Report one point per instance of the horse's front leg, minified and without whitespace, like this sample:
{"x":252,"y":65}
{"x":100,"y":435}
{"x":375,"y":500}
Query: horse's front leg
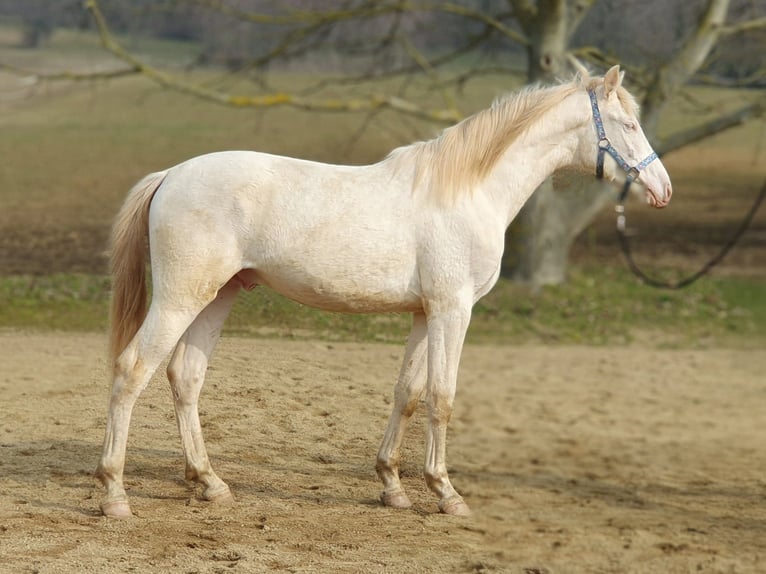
{"x":409,"y":389}
{"x":446,"y":333}
{"x":186,"y":373}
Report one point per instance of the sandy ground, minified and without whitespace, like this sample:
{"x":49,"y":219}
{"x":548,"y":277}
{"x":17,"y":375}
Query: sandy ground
{"x":573,"y":459}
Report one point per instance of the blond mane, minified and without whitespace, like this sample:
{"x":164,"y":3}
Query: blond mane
{"x":463,"y":155}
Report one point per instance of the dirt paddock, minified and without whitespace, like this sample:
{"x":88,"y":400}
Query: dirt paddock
{"x":573,"y":459}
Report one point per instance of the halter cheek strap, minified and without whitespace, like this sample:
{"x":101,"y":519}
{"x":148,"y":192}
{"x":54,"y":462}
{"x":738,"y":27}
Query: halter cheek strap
{"x":605,"y":146}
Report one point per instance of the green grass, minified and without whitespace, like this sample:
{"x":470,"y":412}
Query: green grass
{"x":60,"y":301}
{"x":604,"y":306}
{"x":599,"y":306}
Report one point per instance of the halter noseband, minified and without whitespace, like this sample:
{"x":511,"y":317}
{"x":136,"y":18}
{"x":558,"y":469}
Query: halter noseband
{"x":605,"y":146}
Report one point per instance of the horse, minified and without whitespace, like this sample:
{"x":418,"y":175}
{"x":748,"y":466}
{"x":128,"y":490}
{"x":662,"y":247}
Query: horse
{"x":420,"y":232}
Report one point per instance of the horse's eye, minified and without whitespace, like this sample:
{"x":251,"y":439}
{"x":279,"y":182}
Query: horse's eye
{"x":630,"y":126}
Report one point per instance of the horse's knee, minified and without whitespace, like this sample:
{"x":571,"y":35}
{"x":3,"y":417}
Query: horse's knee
{"x":407,"y":398}
{"x":125,"y":362}
{"x":409,"y":406}
{"x":185,"y":384}
{"x":129,"y":373}
{"x":186,"y":378}
{"x":439,"y":410}
{"x":176,"y":370}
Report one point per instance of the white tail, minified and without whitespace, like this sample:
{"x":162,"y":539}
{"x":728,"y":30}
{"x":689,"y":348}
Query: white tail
{"x":128,"y":263}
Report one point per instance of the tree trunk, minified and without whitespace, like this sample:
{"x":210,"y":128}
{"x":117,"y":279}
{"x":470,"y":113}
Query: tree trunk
{"x":537,"y":242}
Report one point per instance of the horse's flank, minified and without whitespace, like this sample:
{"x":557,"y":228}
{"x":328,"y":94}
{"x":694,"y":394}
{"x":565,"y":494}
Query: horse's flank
{"x":463,"y":155}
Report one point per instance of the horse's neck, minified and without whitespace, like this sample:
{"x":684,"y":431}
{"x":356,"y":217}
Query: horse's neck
{"x":529,"y":161}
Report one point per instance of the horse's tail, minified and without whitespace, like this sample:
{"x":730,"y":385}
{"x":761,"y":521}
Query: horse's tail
{"x":128,"y":263}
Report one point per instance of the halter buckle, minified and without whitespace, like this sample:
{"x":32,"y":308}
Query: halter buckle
{"x":620,"y":210}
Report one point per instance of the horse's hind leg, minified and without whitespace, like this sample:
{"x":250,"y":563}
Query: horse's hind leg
{"x":409,"y":389}
{"x":186,"y":372}
{"x":132,"y":371}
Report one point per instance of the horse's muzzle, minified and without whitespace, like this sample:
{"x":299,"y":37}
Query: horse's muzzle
{"x":659,"y":201}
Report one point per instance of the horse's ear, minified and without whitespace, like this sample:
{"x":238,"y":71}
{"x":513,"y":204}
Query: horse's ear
{"x":583,"y":75}
{"x":613,"y":80}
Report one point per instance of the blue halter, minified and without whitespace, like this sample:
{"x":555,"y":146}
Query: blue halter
{"x":605,"y":146}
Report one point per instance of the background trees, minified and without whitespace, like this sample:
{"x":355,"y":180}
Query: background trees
{"x":370,"y":56}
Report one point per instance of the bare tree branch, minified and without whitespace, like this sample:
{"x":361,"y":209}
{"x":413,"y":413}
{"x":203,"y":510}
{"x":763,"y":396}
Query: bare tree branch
{"x":753,"y":79}
{"x":524,"y":10}
{"x":592,"y":55}
{"x":292,"y":17}
{"x":714,"y":126}
{"x":423,"y":62}
{"x":292,"y":39}
{"x":471,"y":44}
{"x":371,"y":102}
{"x":746,"y":26}
{"x":370,"y":9}
{"x":35,"y":77}
{"x":289,"y":40}
{"x":480,"y":16}
{"x":677,"y":71}
{"x":577,"y":14}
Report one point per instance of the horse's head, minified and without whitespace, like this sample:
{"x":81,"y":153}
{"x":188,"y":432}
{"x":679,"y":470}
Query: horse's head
{"x":620,"y":146}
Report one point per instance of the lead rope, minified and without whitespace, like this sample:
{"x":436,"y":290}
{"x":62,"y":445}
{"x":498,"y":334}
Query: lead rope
{"x":626,"y":250}
{"x":604,"y":147}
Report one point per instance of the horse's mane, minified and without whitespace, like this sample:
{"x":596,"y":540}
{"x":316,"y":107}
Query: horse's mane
{"x":463,"y":155}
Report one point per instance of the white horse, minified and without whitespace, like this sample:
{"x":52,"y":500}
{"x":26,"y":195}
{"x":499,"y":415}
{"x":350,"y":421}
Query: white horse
{"x":422,"y":232}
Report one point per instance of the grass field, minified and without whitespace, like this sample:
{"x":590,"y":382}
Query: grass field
{"x":71,"y":151}
{"x":599,"y":306}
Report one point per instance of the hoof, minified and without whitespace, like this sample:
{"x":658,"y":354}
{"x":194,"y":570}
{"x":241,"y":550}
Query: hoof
{"x":454,"y":506}
{"x":116,"y":509}
{"x":395,"y":499}
{"x":220,"y":495}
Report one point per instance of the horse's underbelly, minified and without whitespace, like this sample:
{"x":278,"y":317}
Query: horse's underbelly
{"x":356,"y":292}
